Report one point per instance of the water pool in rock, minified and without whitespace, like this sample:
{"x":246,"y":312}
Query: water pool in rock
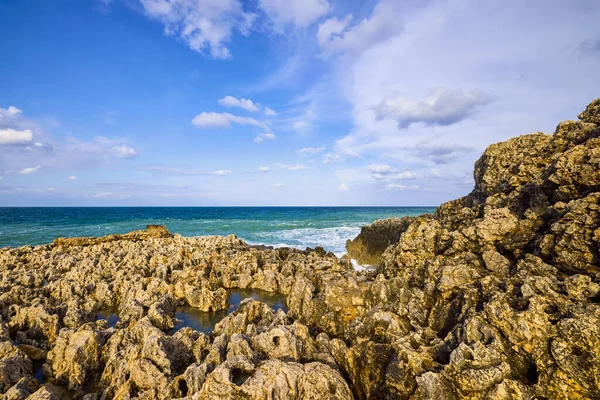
{"x":205,"y":321}
{"x":38,"y":372}
{"x":110,"y":316}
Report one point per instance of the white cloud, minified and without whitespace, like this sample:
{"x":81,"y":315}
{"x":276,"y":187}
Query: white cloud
{"x":298,"y":167}
{"x":207,"y":120}
{"x":440,"y":153}
{"x":270,"y":112}
{"x":332,"y":27}
{"x":343,"y":187}
{"x":300,"y":13}
{"x":123,"y":151}
{"x":397,"y":186}
{"x":221,"y":172}
{"x":309,"y":151}
{"x":1,"y":178}
{"x":398,"y":176}
{"x":394,"y":81}
{"x":380,"y":168}
{"x":263,"y":169}
{"x":246,"y":104}
{"x":9,"y":113}
{"x":337,"y":36}
{"x":261,"y":137}
{"x":30,"y":170}
{"x":202,"y":24}
{"x":386,"y":172}
{"x":332,"y":158}
{"x":278,"y":184}
{"x":443,"y":107}
{"x":72,"y":178}
{"x":15,"y":137}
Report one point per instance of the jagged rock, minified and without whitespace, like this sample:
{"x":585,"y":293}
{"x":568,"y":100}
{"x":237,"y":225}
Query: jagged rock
{"x":591,"y":113}
{"x":22,"y":389}
{"x":151,"y":231}
{"x":49,"y":391}
{"x":238,"y":378}
{"x":76,"y":356}
{"x":372,"y":241}
{"x":14,"y":365}
{"x":495,"y":296}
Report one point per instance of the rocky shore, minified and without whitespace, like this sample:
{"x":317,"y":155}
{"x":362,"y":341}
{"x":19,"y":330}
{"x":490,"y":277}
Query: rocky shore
{"x":495,"y":296}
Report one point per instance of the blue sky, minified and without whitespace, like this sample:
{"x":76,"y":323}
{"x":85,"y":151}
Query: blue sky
{"x":278,"y":102}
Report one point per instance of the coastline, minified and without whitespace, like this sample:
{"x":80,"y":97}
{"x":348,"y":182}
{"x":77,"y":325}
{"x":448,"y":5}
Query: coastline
{"x":495,"y":295}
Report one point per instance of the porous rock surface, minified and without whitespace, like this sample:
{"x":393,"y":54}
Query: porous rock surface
{"x":496,"y":296}
{"x":373,"y":239}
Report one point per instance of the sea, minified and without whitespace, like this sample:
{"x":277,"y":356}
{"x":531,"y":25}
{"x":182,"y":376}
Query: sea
{"x":298,"y":227}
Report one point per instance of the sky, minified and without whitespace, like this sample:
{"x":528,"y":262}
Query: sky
{"x":278,"y":102}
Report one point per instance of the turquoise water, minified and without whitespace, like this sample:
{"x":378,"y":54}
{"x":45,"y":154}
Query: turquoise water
{"x":298,"y":227}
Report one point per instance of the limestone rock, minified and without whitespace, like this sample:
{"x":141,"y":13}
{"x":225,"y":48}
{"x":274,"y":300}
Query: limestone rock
{"x":591,"y":113}
{"x":373,"y":239}
{"x":495,"y":296}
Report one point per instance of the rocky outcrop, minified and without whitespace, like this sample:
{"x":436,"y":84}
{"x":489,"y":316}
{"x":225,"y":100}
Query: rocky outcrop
{"x":373,"y":239}
{"x":151,"y":232}
{"x":495,"y":296}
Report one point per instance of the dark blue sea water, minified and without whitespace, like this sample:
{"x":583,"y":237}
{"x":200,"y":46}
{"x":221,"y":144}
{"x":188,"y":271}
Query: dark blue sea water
{"x":299,"y":227}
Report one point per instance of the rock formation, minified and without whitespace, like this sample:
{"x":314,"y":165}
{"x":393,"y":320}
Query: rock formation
{"x":373,"y":239}
{"x":495,"y":296}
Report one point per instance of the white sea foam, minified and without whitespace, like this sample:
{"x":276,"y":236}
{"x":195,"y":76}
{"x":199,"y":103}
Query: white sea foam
{"x":332,"y":239}
{"x":360,"y":267}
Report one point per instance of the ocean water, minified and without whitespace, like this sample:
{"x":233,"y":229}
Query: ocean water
{"x":298,"y":227}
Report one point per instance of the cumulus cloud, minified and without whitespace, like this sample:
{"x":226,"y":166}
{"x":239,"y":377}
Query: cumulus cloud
{"x":30,"y":170}
{"x":15,"y":137}
{"x":246,"y":104}
{"x":270,"y":112}
{"x":338,"y":36}
{"x":380,"y":168}
{"x":208,"y":120}
{"x":123,"y":151}
{"x":100,"y":146}
{"x":332,"y":158}
{"x":72,"y":178}
{"x":299,"y":13}
{"x":440,"y":153}
{"x":221,"y":172}
{"x":443,"y":107}
{"x":263,"y":169}
{"x":264,"y":136}
{"x":332,"y":27}
{"x":397,"y":186}
{"x":386,"y":172}
{"x":343,"y":187}
{"x":205,"y":25}
{"x":309,"y":151}
{"x":434,"y":46}
{"x":9,"y":113}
